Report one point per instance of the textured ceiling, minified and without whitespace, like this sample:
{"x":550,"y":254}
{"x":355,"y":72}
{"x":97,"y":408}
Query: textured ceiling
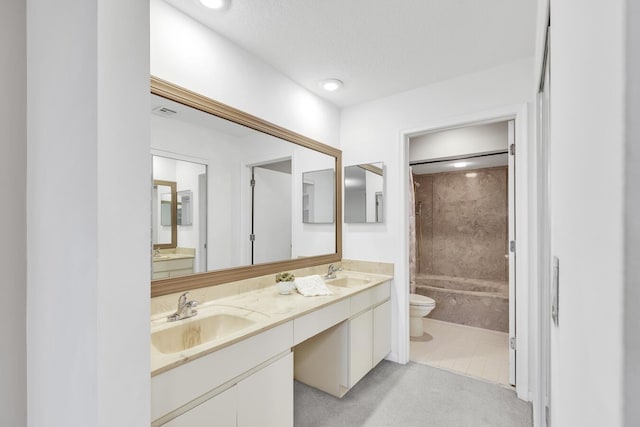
{"x":378,"y":48}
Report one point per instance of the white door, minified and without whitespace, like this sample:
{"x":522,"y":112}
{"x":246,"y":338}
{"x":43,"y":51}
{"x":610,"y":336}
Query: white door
{"x":512,"y":254}
{"x":271,"y":215}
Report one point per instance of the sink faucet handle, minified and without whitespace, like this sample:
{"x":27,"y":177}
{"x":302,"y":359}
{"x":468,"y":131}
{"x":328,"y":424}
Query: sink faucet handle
{"x":183,"y":299}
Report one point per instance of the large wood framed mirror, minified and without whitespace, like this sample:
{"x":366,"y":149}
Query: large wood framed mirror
{"x":239,"y":185}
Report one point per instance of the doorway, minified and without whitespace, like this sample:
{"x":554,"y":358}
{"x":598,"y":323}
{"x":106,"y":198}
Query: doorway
{"x":464,"y":189}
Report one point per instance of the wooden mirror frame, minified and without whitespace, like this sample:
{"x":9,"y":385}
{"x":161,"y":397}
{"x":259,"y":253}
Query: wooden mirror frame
{"x":174,"y":215}
{"x":199,"y":280}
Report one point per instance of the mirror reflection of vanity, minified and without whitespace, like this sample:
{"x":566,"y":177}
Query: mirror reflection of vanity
{"x":246,"y":204}
{"x":364,"y":193}
{"x":178,"y":235}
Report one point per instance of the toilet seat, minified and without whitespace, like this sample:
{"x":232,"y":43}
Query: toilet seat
{"x":421,"y":300}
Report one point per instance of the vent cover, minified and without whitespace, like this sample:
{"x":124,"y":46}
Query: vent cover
{"x":164,"y":111}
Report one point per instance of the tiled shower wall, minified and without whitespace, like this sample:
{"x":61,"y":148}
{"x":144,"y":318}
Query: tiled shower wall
{"x":462,"y":224}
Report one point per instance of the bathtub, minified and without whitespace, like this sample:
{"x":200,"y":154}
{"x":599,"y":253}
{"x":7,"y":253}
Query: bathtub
{"x":472,"y":302}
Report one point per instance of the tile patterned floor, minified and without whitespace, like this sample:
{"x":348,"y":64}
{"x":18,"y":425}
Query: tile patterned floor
{"x":475,"y":352}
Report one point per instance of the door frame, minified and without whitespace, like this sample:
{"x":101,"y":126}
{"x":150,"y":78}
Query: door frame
{"x":542,"y":416}
{"x":525,"y":292}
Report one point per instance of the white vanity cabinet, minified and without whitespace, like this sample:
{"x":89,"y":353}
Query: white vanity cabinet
{"x":381,"y":332}
{"x":219,"y":411}
{"x":172,"y":267}
{"x":369,"y":340}
{"x":360,"y":346}
{"x":265,"y":398}
{"x":336,"y":359}
{"x":246,"y":384}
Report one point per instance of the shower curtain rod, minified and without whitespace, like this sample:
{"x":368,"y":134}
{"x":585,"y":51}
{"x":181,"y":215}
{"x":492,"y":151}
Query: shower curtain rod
{"x":474,"y":156}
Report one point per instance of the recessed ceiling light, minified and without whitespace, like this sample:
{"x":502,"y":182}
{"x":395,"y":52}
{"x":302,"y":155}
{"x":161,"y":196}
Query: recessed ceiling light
{"x":459,"y":164}
{"x":471,"y":174}
{"x":215,"y":4}
{"x":331,"y":85}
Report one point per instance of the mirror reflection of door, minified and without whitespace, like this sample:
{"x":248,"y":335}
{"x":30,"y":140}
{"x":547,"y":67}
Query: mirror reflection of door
{"x":379,"y":205}
{"x":188,"y":254}
{"x":271,"y":212}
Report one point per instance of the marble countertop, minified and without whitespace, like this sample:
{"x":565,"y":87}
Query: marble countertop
{"x":171,"y":256}
{"x":265,"y":307}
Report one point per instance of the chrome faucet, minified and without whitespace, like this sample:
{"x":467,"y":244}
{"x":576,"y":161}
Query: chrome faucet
{"x":331,"y":274}
{"x":185,"y":309}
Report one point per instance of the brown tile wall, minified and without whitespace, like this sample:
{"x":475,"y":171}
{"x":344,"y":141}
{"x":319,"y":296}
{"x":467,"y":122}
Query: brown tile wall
{"x":462,"y":224}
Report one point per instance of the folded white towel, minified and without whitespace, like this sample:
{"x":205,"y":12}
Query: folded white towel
{"x":311,"y":286}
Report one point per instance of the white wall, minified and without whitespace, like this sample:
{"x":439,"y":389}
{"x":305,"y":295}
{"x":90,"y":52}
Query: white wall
{"x":188,"y":54}
{"x":372,"y":132}
{"x":632,"y":224}
{"x":13,"y":164}
{"x":587,"y":202}
{"x":88,"y":213}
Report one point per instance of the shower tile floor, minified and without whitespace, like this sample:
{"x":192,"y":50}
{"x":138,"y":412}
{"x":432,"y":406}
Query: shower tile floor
{"x":476,"y":352}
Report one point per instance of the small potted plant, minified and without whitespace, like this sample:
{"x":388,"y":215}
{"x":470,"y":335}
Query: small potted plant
{"x":285,"y":283}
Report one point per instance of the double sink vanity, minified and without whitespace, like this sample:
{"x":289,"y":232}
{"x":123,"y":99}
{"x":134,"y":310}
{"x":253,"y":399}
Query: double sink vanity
{"x":235,"y":200}
{"x":235,"y":361}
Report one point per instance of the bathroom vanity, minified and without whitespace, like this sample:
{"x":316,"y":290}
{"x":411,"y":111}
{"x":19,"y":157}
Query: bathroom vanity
{"x":233,"y":364}
{"x":173,"y":262}
{"x":236,"y":360}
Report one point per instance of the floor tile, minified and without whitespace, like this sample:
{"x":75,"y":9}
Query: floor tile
{"x":471,"y":351}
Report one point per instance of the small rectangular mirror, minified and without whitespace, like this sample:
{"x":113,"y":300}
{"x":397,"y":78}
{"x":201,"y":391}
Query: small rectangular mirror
{"x":318,"y":195}
{"x":364,"y":193}
{"x":164,"y":214}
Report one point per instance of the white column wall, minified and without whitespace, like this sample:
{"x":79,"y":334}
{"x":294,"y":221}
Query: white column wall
{"x":88,"y":213}
{"x":13,"y":165}
{"x":587,"y":210}
{"x":632,"y":224}
{"x":371,"y":132}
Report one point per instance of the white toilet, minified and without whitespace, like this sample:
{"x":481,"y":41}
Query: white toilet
{"x":419,"y":306}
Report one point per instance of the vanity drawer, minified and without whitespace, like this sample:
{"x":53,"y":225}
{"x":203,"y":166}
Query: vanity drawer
{"x":370,"y":297}
{"x":159,"y":275}
{"x":173,"y":264}
{"x":313,"y":323}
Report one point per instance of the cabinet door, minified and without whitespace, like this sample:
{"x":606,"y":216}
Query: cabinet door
{"x":360,"y":346}
{"x":219,"y":411}
{"x":381,"y":332}
{"x":265,"y":399}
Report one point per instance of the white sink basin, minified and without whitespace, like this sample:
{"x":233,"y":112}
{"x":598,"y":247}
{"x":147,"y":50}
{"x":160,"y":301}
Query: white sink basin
{"x":347,"y":282}
{"x":206,"y":327}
